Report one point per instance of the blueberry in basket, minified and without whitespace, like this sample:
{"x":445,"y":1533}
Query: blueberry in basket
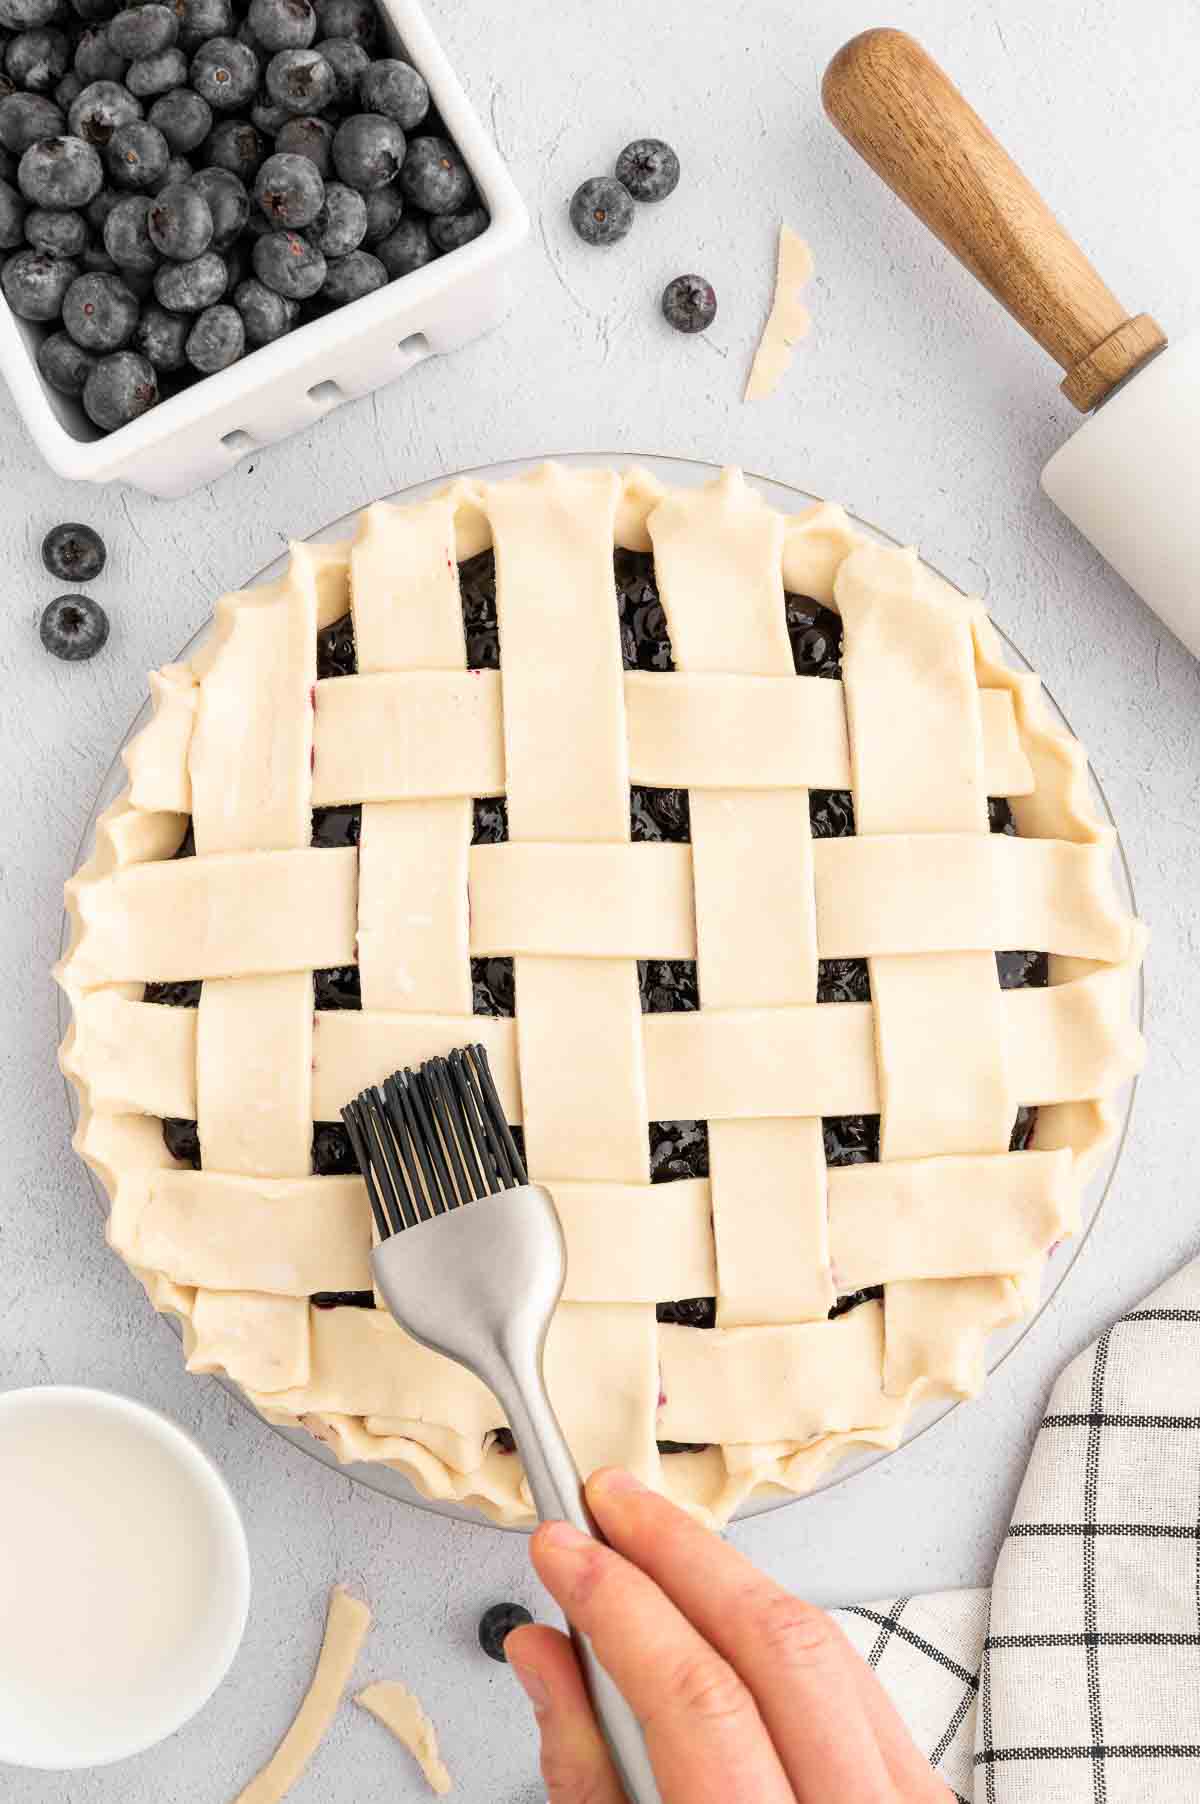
{"x":184,"y":183}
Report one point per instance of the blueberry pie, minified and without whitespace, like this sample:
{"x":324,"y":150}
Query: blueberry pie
{"x":780,"y":906}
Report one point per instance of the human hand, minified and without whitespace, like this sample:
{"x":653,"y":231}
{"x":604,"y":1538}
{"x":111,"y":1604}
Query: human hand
{"x":746,"y":1694}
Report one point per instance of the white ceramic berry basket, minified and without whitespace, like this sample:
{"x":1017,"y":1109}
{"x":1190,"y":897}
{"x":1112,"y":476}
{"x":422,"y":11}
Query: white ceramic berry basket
{"x":683,"y":472}
{"x":281,"y":388}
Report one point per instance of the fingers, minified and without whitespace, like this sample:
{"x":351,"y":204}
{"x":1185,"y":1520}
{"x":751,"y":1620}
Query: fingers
{"x":800,"y":1669}
{"x":703,"y":1730}
{"x":575,"y":1762}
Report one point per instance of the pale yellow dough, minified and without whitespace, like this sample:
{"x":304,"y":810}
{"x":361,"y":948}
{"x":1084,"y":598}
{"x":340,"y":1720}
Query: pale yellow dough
{"x":398,"y":1710}
{"x":789,"y":319}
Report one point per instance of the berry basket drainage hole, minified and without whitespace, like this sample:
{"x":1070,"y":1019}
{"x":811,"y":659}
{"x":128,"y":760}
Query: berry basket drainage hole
{"x":327,"y":394}
{"x":238,"y":442}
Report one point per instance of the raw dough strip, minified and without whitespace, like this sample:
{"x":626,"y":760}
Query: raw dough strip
{"x":397,"y":1709}
{"x":345,"y":1631}
{"x":788,"y":321}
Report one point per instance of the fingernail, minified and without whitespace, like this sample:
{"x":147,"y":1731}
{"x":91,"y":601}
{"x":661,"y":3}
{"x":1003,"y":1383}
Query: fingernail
{"x":533,"y":1686}
{"x":566,"y":1539}
{"x":615,"y":1481}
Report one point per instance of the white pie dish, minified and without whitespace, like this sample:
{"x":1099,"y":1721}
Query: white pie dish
{"x":787,"y":500}
{"x":282,"y":388}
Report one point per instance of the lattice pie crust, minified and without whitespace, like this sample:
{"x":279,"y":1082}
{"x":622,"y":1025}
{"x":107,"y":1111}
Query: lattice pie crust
{"x":927,"y":723}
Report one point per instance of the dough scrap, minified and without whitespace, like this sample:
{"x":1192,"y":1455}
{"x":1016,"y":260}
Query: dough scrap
{"x":345,"y":1631}
{"x":398,"y":1710}
{"x":789,"y":319}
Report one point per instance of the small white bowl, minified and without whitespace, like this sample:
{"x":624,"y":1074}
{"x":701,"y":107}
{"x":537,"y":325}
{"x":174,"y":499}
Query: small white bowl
{"x":124,"y":1578}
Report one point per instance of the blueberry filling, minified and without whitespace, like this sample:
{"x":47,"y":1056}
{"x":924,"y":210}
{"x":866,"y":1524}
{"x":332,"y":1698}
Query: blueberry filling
{"x":816,"y":635}
{"x":175,"y":995}
{"x":852,"y":1299}
{"x":659,"y":815}
{"x":688,"y":1312}
{"x":337,"y":827}
{"x":343,"y":1299}
{"x":477,"y":583}
{"x":645,"y":641}
{"x":337,"y":655}
{"x":332,"y":1154}
{"x":668,"y":985}
{"x":182,"y":1139}
{"x":489,"y":825}
{"x":851,"y":1139}
{"x":678,"y":1149}
{"x":493,"y":986}
{"x":337,"y":987}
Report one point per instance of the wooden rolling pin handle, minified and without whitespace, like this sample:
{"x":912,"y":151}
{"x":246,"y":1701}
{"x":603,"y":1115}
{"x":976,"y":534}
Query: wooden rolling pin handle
{"x":904,"y":115}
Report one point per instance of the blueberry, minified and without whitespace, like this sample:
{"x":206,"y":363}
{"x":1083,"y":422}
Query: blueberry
{"x":406,"y":248}
{"x":58,"y":233}
{"x":157,"y":74}
{"x":119,"y":389}
{"x":74,"y":627}
{"x":689,"y":303}
{"x":395,"y":89}
{"x":347,"y":60}
{"x":26,"y":118}
{"x":300,"y":81}
{"x":143,"y":31}
{"x":74,"y":553}
{"x":450,"y":231}
{"x":100,"y":312}
{"x":225,"y":73}
{"x":96,"y":259}
{"x":350,"y":278}
{"x":100,"y":109}
{"x":385,"y":209}
{"x":282,"y":24}
{"x":289,"y":190}
{"x":368,"y":151}
{"x":177,"y":171}
{"x":236,"y":146}
{"x":127,"y":237}
{"x":228,"y":202}
{"x":97,"y":211}
{"x":20,"y":15}
{"x":435,"y":177}
{"x":200,"y":20}
{"x":308,"y":137}
{"x":217,"y":339}
{"x":356,"y":19}
{"x":289,"y":264}
{"x":137,"y":155}
{"x":65,"y":365}
{"x":266,"y":316}
{"x":180,"y":222}
{"x":341,"y":225}
{"x":12,"y":217}
{"x":602,"y":210}
{"x":38,"y":59}
{"x":95,"y":58}
{"x":190,"y":287}
{"x":183,"y":119}
{"x":34,"y":285}
{"x":268,"y":118}
{"x":497,"y":1623}
{"x":67,"y":91}
{"x":648,"y":168}
{"x":160,"y":337}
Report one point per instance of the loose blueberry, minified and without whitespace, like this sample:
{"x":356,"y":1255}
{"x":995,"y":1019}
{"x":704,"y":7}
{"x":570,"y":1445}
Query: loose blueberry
{"x":496,"y":1624}
{"x":65,"y":365}
{"x":190,"y":287}
{"x":406,"y":248}
{"x":225,"y":73}
{"x":689,"y":303}
{"x":289,"y":264}
{"x":100,"y":109}
{"x":301,"y":81}
{"x":183,"y":119}
{"x":266,"y":316}
{"x":347,"y":60}
{"x":350,"y":278}
{"x":268,"y":118}
{"x":180,"y":222}
{"x":100,"y":312}
{"x":34,"y":284}
{"x":160,"y":338}
{"x":143,"y":31}
{"x":200,"y":20}
{"x":137,"y":155}
{"x":228,"y":202}
{"x":341,"y":225}
{"x":236,"y":146}
{"x":394,"y":88}
{"x":97,"y":211}
{"x":37,"y":60}
{"x":95,"y":58}
{"x":74,"y":553}
{"x":450,"y":231}
{"x":67,"y":91}
{"x":73,"y":627}
{"x":355,"y":19}
{"x":289,"y":190}
{"x":157,"y":74}
{"x":27,"y":118}
{"x":282,"y":24}
{"x":60,"y":172}
{"x":385,"y":209}
{"x":602,"y":210}
{"x":119,"y":389}
{"x":20,"y":15}
{"x":127,"y":236}
{"x":435,"y":177}
{"x":59,"y":234}
{"x":308,"y":137}
{"x":217,"y":339}
{"x":12,"y":217}
{"x":368,"y":151}
{"x":649,"y":169}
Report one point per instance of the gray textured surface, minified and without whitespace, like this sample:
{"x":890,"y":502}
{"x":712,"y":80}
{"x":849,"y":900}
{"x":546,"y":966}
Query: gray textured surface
{"x":916,"y":403}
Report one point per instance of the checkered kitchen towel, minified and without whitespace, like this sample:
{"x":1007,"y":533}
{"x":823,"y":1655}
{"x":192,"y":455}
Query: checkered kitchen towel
{"x":1076,"y":1680}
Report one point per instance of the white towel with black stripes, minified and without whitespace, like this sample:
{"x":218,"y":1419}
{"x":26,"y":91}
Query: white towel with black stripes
{"x":1076,"y":1679}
